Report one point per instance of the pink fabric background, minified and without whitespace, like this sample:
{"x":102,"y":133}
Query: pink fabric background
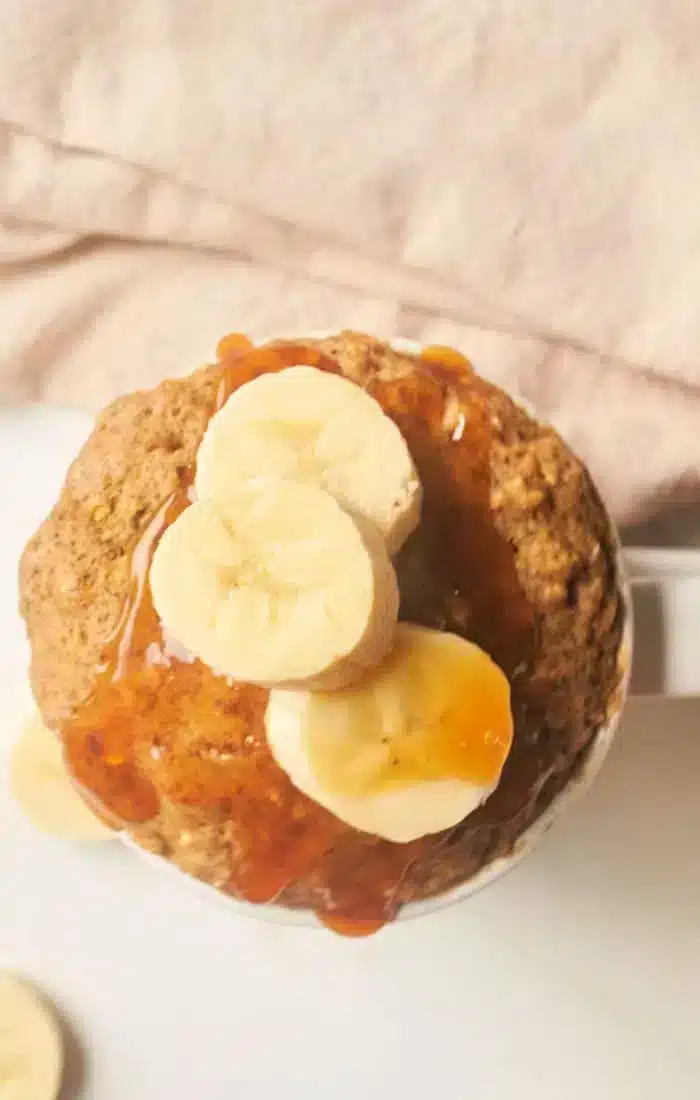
{"x":518,"y":179}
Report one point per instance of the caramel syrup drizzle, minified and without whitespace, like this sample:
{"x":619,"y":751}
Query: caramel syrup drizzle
{"x":158,"y":726}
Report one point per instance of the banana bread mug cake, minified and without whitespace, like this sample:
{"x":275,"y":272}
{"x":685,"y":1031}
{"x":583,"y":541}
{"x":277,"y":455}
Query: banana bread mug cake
{"x":325,"y":624}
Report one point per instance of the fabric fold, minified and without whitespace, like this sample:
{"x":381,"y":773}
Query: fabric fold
{"x":519,"y":181}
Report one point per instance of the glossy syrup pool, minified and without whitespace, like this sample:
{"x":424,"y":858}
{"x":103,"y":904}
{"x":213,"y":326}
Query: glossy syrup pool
{"x":158,"y":726}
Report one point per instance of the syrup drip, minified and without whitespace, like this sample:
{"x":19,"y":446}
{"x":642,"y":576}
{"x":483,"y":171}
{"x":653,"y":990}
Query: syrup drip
{"x":158,"y":725}
{"x":354,"y":929}
{"x":460,"y":547}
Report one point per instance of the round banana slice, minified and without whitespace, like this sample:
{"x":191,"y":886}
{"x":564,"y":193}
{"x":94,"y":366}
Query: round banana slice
{"x":44,"y":790}
{"x":411,"y":750}
{"x":31,"y":1048}
{"x":307,"y":425}
{"x":277,"y":585}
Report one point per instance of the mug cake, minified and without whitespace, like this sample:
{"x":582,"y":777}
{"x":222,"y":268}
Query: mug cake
{"x":327,"y":624}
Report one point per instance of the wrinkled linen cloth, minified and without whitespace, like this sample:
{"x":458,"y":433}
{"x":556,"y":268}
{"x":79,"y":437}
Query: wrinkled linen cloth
{"x":518,"y":178}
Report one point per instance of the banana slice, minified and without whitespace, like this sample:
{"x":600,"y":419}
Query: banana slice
{"x":277,"y":585}
{"x":31,"y":1049}
{"x":307,"y":425}
{"x":412,"y":749}
{"x":42,"y":786}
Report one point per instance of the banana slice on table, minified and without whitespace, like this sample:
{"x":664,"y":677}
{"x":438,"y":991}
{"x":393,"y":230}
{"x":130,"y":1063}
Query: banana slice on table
{"x":411,"y":750}
{"x":308,"y":425}
{"x":31,"y":1048}
{"x":275,"y":585}
{"x":43,"y":788}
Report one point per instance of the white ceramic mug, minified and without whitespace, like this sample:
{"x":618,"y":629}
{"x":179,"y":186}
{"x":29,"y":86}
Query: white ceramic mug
{"x":665,"y":590}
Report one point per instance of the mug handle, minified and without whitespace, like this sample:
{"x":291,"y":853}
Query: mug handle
{"x":666,"y":606}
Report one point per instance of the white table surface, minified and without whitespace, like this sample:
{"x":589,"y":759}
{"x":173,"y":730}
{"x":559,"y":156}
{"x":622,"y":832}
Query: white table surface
{"x":577,"y":976}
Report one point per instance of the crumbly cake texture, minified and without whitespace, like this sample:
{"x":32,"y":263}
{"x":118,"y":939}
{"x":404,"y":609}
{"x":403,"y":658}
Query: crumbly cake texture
{"x":74,"y":577}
